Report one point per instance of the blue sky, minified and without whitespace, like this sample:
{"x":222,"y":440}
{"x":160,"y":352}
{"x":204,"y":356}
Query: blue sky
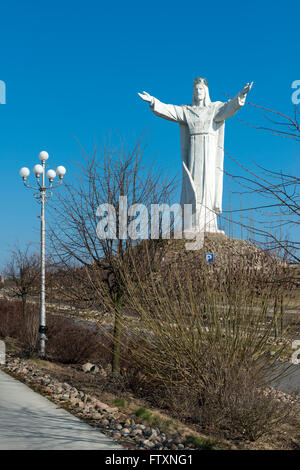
{"x":73,"y":69}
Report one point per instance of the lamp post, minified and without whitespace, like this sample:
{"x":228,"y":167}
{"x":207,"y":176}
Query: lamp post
{"x":44,"y":192}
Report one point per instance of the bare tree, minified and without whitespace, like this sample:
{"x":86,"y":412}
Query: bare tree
{"x":277,"y":191}
{"x":103,"y":178}
{"x":23,"y":272}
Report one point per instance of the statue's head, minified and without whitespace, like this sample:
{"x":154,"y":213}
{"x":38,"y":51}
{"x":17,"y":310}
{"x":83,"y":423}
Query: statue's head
{"x":201,"y":93}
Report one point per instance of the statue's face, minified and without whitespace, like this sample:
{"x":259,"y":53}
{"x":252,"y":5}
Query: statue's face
{"x":199,"y":92}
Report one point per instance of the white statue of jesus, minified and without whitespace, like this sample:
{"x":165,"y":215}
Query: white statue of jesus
{"x":202,"y":149}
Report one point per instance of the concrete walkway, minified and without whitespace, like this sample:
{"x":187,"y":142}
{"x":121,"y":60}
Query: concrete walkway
{"x":31,"y":422}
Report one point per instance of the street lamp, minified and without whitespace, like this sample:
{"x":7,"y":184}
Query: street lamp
{"x":41,"y":196}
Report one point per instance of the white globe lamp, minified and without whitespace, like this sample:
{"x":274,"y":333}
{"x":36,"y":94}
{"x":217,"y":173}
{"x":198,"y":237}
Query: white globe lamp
{"x":24,"y":173}
{"x":38,"y":170}
{"x":43,"y":156}
{"x":61,"y":171}
{"x":51,"y":174}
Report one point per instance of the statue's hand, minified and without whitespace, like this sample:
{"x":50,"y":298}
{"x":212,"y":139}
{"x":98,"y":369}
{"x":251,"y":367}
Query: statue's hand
{"x":145,"y":96}
{"x":246,"y":89}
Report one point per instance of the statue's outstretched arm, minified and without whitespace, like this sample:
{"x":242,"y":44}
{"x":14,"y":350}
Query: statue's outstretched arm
{"x":170,"y":112}
{"x":228,"y":109}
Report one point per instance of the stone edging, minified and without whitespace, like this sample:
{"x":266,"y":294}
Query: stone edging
{"x":109,"y":420}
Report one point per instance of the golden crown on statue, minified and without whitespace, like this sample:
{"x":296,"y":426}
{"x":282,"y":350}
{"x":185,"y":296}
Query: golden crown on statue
{"x":200,"y":80}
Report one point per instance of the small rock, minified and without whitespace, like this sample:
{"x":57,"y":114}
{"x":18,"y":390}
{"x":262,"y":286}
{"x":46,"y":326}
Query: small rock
{"x":148,"y":432}
{"x":45,"y":381}
{"x":100,"y":406}
{"x":140,"y":426}
{"x":111,"y":409}
{"x":147,"y":443}
{"x":137,"y":432}
{"x":125,"y":431}
{"x":89,"y":367}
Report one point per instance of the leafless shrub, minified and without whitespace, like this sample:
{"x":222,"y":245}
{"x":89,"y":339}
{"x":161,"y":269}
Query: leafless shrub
{"x":205,"y":334}
{"x":69,"y":343}
{"x":10,"y":318}
{"x":13,"y":324}
{"x":244,"y":410}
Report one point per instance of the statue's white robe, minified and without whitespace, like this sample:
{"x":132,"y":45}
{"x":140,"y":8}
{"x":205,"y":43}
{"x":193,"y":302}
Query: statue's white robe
{"x":202,"y":144}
